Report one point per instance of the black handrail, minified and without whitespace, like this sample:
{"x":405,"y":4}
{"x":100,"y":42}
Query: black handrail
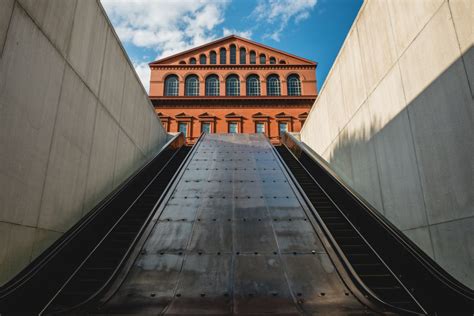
{"x":343,"y":266}
{"x":432,"y":286}
{"x":133,"y":248}
{"x":63,"y":245}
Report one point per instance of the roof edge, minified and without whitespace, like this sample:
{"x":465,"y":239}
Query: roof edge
{"x":226,"y":38}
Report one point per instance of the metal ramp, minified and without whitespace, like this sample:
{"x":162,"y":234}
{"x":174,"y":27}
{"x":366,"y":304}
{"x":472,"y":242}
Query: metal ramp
{"x":233,"y":237}
{"x":234,"y":226}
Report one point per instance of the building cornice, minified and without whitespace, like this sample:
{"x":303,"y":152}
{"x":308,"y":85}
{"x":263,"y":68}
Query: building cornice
{"x":219,"y":102}
{"x":231,"y":67}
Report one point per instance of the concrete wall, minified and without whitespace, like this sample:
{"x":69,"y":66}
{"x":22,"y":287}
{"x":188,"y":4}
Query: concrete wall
{"x":395,"y":119}
{"x":75,"y":121}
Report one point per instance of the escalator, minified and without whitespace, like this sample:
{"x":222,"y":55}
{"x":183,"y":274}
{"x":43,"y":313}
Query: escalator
{"x":237,"y":226}
{"x":391,"y":267}
{"x":82,"y":261}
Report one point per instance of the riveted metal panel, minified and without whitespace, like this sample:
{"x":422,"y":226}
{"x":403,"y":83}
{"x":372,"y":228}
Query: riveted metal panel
{"x":317,"y":287}
{"x":205,"y":286}
{"x":233,"y":239}
{"x":260,"y":286}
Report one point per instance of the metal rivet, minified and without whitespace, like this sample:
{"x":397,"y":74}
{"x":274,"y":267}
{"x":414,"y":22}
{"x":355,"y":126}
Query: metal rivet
{"x":313,"y":252}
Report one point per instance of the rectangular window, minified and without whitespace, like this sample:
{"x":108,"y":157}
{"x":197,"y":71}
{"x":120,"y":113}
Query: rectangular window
{"x":282,"y":127}
{"x":183,"y":127}
{"x":233,"y":128}
{"x":206,"y":127}
{"x":259,"y":127}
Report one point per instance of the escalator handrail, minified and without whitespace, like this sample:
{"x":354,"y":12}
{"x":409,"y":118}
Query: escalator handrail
{"x":335,"y":253}
{"x":128,"y":250}
{"x":431,"y":266}
{"x":128,"y":255}
{"x":33,"y":267}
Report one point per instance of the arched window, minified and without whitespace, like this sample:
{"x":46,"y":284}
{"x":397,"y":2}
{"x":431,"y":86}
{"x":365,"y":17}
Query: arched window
{"x":232,"y":86}
{"x":294,"y":85}
{"x":212,"y":57}
{"x":263,"y":59}
{"x":202,"y":59}
{"x":233,"y":52}
{"x":223,"y":55}
{"x":243,"y":55}
{"x":282,"y":62}
{"x":253,"y":85}
{"x":212,"y":86}
{"x":253,"y":57}
{"x":273,"y":60}
{"x":182,"y":62}
{"x":273,"y":85}
{"x":192,"y":61}
{"x":191,"y":86}
{"x":171,"y":86}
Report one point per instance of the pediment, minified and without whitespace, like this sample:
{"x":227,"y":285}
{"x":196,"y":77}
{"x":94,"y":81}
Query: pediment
{"x":183,"y":114}
{"x":260,"y":114}
{"x":206,"y":114}
{"x":282,"y":114}
{"x":281,"y":57}
{"x":233,"y":114}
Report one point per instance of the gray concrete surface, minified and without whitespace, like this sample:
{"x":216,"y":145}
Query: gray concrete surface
{"x":64,"y":82}
{"x":395,"y":120}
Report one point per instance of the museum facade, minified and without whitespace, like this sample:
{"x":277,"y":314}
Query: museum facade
{"x":233,"y":85}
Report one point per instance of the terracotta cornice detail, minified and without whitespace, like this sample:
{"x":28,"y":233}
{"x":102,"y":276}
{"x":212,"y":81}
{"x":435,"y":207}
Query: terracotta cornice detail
{"x":231,"y":67}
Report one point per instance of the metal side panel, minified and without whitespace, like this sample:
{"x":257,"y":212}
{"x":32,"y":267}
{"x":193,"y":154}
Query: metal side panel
{"x":233,"y":238}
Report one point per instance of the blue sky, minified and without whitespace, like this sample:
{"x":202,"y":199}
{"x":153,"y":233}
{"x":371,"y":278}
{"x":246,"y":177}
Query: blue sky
{"x":152,"y":29}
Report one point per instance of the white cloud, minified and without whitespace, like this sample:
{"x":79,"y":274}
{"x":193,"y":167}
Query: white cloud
{"x":281,"y":12}
{"x":245,"y":34}
{"x":143,"y":72}
{"x":166,"y":26}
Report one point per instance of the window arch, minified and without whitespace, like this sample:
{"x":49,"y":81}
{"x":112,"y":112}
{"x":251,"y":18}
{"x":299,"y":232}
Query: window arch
{"x":253,"y":57}
{"x":233,"y":53}
{"x":263,"y":59}
{"x":223,"y":56}
{"x":273,"y":85}
{"x":294,"y":85}
{"x":171,"y":86}
{"x":202,"y":59}
{"x":243,"y":55}
{"x":212,"y":85}
{"x":212,"y":57}
{"x":273,"y":60}
{"x":232,"y":86}
{"x":253,"y":85}
{"x":192,"y":61}
{"x":282,"y":62}
{"x":182,"y":62}
{"x":191,"y":85}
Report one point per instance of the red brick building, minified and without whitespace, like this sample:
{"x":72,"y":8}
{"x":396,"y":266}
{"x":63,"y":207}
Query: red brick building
{"x":233,"y":85}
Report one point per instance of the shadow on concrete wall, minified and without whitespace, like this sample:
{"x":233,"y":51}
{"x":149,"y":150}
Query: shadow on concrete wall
{"x":417,"y":168}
